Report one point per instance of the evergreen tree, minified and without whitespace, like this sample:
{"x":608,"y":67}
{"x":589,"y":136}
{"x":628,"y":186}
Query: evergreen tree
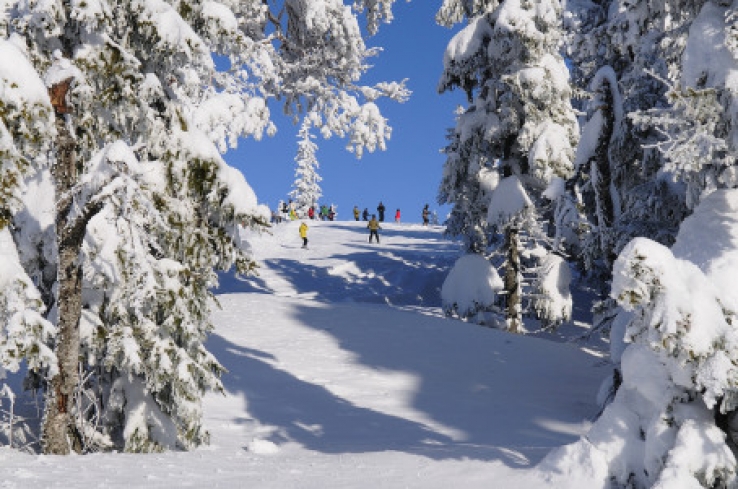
{"x":673,"y":420}
{"x":25,"y":120}
{"x":619,"y":54}
{"x":672,"y":329}
{"x":145,"y":209}
{"x":519,"y":122}
{"x":306,"y":189}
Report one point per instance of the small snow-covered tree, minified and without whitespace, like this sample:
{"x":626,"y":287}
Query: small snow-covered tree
{"x":470,"y":290}
{"x":306,"y":189}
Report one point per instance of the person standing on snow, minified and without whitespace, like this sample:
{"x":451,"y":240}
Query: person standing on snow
{"x":304,"y":234}
{"x":284,"y":210}
{"x":380,"y":211}
{"x":397,"y":216}
{"x":365,"y":214}
{"x":426,"y":215}
{"x":356,"y":212}
{"x":373,"y":228}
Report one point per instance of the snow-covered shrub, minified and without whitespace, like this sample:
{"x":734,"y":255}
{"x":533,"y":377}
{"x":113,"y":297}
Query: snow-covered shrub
{"x":470,"y":289}
{"x":680,"y":363}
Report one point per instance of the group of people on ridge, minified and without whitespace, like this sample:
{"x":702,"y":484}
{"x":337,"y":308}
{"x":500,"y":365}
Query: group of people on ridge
{"x":381,"y":209}
{"x":286,"y":211}
{"x":372,"y":224}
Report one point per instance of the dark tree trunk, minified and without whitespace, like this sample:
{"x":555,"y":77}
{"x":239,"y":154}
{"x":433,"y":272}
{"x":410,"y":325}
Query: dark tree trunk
{"x":512,"y":280}
{"x":602,"y":172}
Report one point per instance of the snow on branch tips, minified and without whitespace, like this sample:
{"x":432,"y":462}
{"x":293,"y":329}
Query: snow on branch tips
{"x":508,"y":201}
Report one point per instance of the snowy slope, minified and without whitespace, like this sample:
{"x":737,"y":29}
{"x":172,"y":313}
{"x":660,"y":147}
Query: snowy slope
{"x":342,"y":373}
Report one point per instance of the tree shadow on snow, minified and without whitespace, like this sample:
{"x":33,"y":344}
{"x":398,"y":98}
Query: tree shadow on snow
{"x":309,"y":414}
{"x":486,"y":398}
{"x":395,"y":277}
{"x":496,"y":391}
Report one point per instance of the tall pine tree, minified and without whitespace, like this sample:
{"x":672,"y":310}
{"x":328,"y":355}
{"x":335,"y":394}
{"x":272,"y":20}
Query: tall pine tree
{"x":519,"y":123}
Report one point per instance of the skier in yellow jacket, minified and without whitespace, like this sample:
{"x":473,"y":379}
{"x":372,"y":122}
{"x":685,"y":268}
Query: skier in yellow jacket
{"x":304,"y":234}
{"x":373,"y":228}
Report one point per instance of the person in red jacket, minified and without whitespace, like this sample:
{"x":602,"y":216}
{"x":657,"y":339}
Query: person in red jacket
{"x":397,"y":216}
{"x":311,"y":213}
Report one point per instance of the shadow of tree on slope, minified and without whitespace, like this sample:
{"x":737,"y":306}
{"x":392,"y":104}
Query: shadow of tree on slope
{"x":393,"y":278}
{"x":499,"y":390}
{"x":475,"y":385}
{"x":311,"y":415}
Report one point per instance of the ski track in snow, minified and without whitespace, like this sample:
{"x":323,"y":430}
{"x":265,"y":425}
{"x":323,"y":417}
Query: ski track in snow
{"x":342,"y":373}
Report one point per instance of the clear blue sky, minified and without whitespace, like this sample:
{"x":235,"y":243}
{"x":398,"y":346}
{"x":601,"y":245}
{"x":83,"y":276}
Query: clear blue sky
{"x":408,"y":173}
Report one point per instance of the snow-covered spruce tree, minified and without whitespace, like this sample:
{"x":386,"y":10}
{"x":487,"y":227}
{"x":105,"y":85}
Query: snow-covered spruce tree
{"x":26,"y":119}
{"x":306,"y":189}
{"x":519,"y":123}
{"x":152,"y":206}
{"x":511,"y":210}
{"x":106,"y":88}
{"x":616,"y":48}
{"x":674,"y":335}
{"x":587,"y":214}
{"x":685,"y":135}
{"x":674,"y":420}
{"x":466,"y":184}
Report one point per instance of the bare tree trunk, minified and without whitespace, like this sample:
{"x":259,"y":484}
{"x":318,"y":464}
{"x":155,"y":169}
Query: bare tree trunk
{"x":513,"y":287}
{"x":60,"y":434}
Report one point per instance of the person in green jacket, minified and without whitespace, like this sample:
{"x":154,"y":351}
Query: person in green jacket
{"x":373,"y":228}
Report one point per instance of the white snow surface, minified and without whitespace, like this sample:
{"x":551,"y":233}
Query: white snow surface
{"x":706,"y":54}
{"x":467,"y":42}
{"x":19,"y":82}
{"x":342,"y":373}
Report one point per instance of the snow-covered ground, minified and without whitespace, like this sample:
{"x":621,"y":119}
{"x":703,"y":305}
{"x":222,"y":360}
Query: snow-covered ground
{"x":342,"y":373}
